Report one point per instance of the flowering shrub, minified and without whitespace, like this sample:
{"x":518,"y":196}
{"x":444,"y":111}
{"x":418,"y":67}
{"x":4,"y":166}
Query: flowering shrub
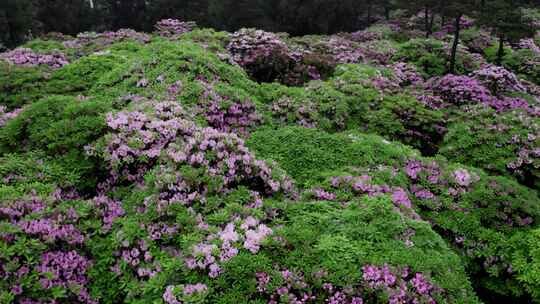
{"x":401,"y":286}
{"x":406,"y":74}
{"x":89,"y":42}
{"x":288,"y":110}
{"x":363,"y":185}
{"x":405,"y":119}
{"x":227,"y":113}
{"x":56,"y":267}
{"x":334,"y":280}
{"x":379,"y":51}
{"x":192,"y":293}
{"x":477,"y":40}
{"x":502,"y":143}
{"x":315,"y":105}
{"x":27,"y":57}
{"x":498,"y":79}
{"x":174,"y":27}
{"x":380,"y":279}
{"x":460,"y":89}
{"x":264,"y":55}
{"x":343,"y":50}
{"x":267,"y":57}
{"x":375,"y":32}
{"x":435,"y":190}
{"x":529,"y":44}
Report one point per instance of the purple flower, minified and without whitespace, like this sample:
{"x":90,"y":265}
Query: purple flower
{"x":459,"y":90}
{"x":400,"y":198}
{"x":27,"y":57}
{"x":462,"y":177}
{"x":173,"y":27}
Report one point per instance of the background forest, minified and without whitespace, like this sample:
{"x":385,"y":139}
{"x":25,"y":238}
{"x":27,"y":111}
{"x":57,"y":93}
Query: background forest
{"x":23,"y":19}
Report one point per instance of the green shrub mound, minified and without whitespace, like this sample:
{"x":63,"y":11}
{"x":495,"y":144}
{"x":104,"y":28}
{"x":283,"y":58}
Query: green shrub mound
{"x":477,"y":214}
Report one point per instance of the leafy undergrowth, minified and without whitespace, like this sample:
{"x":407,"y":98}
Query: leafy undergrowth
{"x":195,"y":166}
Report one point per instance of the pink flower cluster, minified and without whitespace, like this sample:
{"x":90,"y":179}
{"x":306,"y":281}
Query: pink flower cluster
{"x":59,"y":229}
{"x":266,"y":57}
{"x":51,"y":230}
{"x":137,"y":257}
{"x":321,"y":194}
{"x":498,"y":79}
{"x":7,"y":116}
{"x":463,"y":177}
{"x":406,"y":74}
{"x":459,"y":89}
{"x":138,"y":138}
{"x":344,"y":51}
{"x":400,"y":285}
{"x":295,"y":290}
{"x":527,"y":152}
{"x":174,"y":27}
{"x":125,"y":34}
{"x":33,"y":218}
{"x":107,"y":209}
{"x":505,"y":104}
{"x":172,"y":292}
{"x":227,"y":113}
{"x":255,"y":236}
{"x":106,"y":38}
{"x":416,"y":170}
{"x":65,"y":269}
{"x":249,"y":46}
{"x":287,"y":110}
{"x":363,"y":185}
{"x":28,"y":58}
{"x":224,"y":157}
{"x":485,"y":86}
{"x":429,"y":183}
{"x":209,"y":255}
{"x":529,"y":44}
{"x":191,"y":289}
{"x":291,"y":289}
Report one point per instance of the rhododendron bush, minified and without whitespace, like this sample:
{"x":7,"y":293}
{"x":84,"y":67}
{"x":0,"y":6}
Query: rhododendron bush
{"x":194,"y":166}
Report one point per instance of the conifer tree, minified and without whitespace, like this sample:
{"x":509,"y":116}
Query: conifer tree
{"x":505,"y":19}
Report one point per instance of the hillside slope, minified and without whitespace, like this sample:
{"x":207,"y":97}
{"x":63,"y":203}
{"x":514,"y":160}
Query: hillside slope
{"x":195,"y":166}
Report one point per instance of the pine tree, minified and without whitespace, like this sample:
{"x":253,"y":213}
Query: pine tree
{"x":427,"y":7}
{"x":505,"y":18}
{"x":455,"y":10}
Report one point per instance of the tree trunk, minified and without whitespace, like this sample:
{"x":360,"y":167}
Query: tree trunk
{"x":455,"y":45}
{"x":431,"y":20}
{"x":387,"y":12}
{"x":426,"y":21}
{"x":500,"y":52}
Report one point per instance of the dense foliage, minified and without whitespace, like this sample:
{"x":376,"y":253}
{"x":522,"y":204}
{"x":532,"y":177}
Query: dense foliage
{"x":190,"y":165}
